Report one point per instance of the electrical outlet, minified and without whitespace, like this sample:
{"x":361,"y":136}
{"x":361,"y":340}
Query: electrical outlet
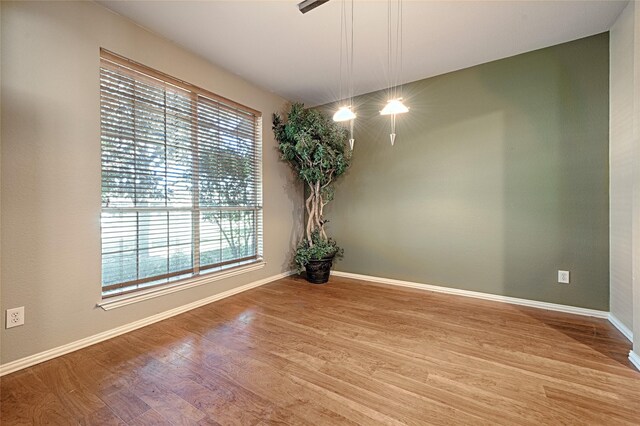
{"x":563,"y":277}
{"x":15,"y":317}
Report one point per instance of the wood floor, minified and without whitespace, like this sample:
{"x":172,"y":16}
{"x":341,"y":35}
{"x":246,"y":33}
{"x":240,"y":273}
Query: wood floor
{"x":344,"y":353}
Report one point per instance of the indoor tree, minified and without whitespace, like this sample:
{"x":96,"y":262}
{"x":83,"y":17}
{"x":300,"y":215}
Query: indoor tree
{"x":316,"y":148}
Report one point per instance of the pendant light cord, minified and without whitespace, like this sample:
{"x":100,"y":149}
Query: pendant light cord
{"x":401,"y":30}
{"x":341,"y":47}
{"x":346,"y":51}
{"x":351,"y":65}
{"x":394,"y":48}
{"x":395,"y":56}
{"x":390,"y":71}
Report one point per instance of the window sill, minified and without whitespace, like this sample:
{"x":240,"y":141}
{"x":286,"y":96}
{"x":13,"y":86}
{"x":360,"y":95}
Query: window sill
{"x":139,"y":296}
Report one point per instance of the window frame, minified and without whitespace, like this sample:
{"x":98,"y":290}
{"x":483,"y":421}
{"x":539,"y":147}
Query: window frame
{"x":173,"y":281}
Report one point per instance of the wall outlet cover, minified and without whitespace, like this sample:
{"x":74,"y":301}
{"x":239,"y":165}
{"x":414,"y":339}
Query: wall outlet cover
{"x":15,"y":317}
{"x":563,"y":277}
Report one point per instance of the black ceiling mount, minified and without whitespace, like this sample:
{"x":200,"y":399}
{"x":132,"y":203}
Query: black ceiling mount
{"x":307,"y":5}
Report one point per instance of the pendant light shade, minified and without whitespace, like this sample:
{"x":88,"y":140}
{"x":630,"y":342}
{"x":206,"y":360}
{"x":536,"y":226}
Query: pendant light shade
{"x":393,"y":107}
{"x":344,"y":113}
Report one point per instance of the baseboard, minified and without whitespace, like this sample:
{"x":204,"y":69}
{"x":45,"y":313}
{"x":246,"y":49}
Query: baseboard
{"x":478,"y":295}
{"x":621,"y":327}
{"x":91,"y":340}
{"x":635,"y":359}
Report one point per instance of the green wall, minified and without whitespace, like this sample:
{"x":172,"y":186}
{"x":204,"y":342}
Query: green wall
{"x":498,"y":178}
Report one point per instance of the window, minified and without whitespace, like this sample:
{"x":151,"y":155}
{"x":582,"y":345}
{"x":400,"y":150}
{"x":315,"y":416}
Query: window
{"x":181,"y":190}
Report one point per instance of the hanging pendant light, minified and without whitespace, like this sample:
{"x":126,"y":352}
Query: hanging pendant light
{"x":345,"y":113}
{"x":394,"y":105}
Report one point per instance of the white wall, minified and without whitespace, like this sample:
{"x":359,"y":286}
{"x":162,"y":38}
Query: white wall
{"x":634,"y":7}
{"x":50,"y":172}
{"x":621,"y":166}
{"x":625,"y":171}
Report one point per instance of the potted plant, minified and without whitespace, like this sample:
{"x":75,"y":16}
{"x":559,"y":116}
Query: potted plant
{"x":316,"y":149}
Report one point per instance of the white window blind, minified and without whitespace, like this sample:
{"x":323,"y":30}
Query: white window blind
{"x":181,"y":189}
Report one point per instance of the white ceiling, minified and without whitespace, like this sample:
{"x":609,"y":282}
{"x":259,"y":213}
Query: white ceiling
{"x":273,"y":45}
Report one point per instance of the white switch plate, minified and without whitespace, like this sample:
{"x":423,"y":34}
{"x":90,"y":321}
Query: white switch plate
{"x":563,"y":277}
{"x":15,"y":317}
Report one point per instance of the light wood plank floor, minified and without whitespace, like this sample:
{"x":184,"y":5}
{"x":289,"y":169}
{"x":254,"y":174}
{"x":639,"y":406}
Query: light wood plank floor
{"x":344,"y":353}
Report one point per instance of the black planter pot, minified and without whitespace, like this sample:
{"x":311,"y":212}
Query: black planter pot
{"x":318,"y":270}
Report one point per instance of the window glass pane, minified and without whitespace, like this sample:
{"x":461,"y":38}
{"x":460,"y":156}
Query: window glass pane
{"x":150,"y":174}
{"x":153,"y":238}
{"x":119,"y":242}
{"x":227,"y":161}
{"x":179,"y":177}
{"x":227,"y":235}
{"x":180,"y":241}
{"x":210,"y":238}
